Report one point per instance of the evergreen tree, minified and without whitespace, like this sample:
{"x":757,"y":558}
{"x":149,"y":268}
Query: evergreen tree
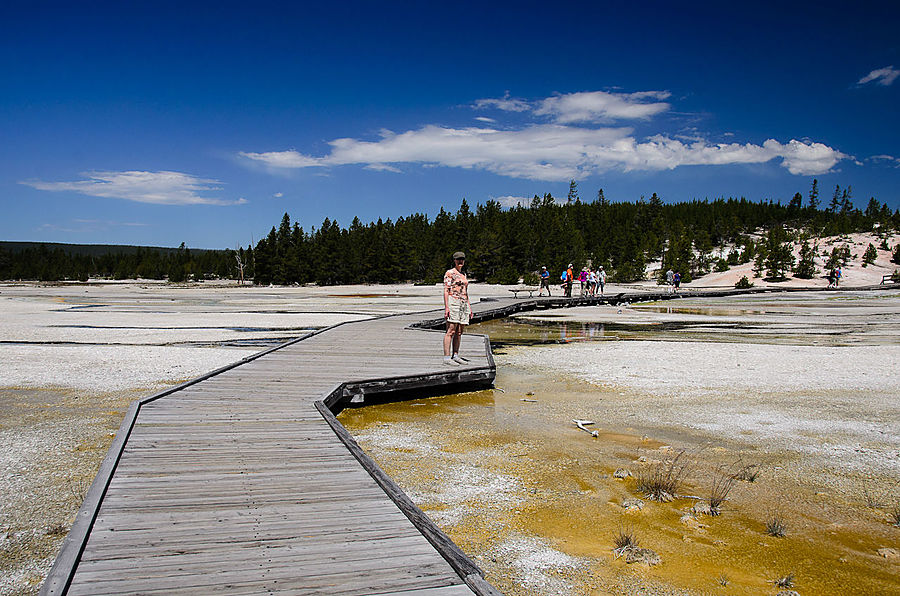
{"x":601,"y":198}
{"x":846,"y":202}
{"x":870,"y":255}
{"x":806,"y":266}
{"x":573,"y":192}
{"x":835,"y":205}
{"x":873,"y":209}
{"x":814,"y":195}
{"x":779,"y":259}
{"x":895,"y":258}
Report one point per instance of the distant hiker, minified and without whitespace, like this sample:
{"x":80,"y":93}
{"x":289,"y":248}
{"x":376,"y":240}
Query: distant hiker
{"x":592,"y":282}
{"x":570,"y":280}
{"x":582,"y":279}
{"x":832,"y":278}
{"x":837,"y":277}
{"x":457,"y":310}
{"x":670,"y":279}
{"x":676,"y":280}
{"x":601,"y":279}
{"x":545,"y":281}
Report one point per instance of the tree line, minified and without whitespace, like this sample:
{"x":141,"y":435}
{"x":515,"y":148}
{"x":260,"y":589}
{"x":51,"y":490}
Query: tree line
{"x":57,"y":262}
{"x":502,"y":245}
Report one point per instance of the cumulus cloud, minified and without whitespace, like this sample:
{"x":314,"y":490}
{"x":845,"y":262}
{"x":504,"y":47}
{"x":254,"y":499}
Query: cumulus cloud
{"x":574,"y":144}
{"x":881,"y":76}
{"x":160,"y":188}
{"x":600,"y":106}
{"x":554,"y":152}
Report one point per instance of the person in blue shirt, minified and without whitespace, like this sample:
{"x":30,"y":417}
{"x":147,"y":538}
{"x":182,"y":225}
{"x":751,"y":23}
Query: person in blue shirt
{"x":545,"y":281}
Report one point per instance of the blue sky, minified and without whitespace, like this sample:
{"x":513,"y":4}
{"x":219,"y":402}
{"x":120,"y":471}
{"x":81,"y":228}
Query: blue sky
{"x":161,"y":123}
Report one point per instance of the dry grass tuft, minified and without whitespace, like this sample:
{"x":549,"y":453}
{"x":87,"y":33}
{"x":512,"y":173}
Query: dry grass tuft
{"x":894,"y":513}
{"x":748,"y":473}
{"x":723,"y":580}
{"x":785,"y":582}
{"x":776,"y":526}
{"x":661,"y":482}
{"x":722,"y":484}
{"x":624,"y":540}
{"x":872,"y":500}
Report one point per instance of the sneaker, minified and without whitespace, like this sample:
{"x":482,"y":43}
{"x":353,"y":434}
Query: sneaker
{"x":450,"y":362}
{"x":460,"y":359}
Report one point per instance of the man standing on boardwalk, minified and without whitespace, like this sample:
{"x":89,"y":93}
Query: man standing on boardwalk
{"x":545,"y":281}
{"x":570,"y":279}
{"x":457,"y":310}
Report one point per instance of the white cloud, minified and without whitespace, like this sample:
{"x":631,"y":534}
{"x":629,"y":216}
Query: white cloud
{"x":282,"y":159}
{"x":278,"y":195}
{"x":160,"y":188}
{"x":600,"y":106}
{"x":485,"y":119}
{"x":561,"y":150}
{"x":881,"y":76}
{"x":506,"y":103}
{"x":890,"y":159}
{"x":511,"y":201}
{"x":553,"y":152}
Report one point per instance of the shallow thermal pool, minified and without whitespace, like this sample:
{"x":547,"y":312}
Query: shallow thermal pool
{"x":535,"y":500}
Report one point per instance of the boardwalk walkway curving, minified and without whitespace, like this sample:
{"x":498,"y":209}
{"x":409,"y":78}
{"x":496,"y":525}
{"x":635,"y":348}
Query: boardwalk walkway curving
{"x":243,"y":481}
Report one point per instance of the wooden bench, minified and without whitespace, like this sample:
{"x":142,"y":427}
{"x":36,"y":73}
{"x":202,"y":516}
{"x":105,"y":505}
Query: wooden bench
{"x":886,"y":278}
{"x":531,"y":290}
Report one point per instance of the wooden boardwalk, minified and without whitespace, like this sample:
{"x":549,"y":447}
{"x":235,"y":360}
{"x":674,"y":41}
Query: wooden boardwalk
{"x":244,"y":482}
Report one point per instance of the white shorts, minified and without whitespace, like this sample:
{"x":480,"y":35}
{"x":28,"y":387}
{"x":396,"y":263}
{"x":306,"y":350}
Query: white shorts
{"x":460,"y":311}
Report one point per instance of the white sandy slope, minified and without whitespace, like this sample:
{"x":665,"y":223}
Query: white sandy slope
{"x":853,"y":275}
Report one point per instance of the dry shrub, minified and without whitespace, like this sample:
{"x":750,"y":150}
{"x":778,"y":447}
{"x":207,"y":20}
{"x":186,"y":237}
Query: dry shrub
{"x":785,"y":582}
{"x":748,"y":473}
{"x":661,"y":482}
{"x":776,"y":526}
{"x":873,"y":501}
{"x":723,"y":482}
{"x":623,"y":540}
{"x":894,"y":513}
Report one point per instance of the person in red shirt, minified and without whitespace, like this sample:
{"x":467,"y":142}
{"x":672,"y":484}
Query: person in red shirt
{"x":457,"y":310}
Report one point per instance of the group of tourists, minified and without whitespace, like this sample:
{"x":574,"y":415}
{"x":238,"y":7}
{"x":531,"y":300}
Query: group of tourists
{"x":673,"y":280}
{"x":458,"y":310}
{"x":591,"y":282}
{"x":834,"y":277}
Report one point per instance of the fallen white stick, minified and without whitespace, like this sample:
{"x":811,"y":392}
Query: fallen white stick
{"x":581,"y":424}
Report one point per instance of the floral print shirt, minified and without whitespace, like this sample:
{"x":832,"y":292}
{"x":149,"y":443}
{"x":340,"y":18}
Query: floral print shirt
{"x":456,"y":284}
